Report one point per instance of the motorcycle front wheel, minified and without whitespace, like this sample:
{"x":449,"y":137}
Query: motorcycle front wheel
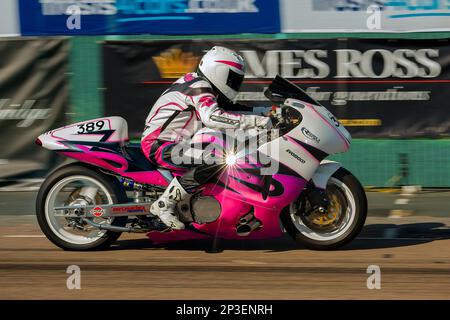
{"x":338,"y":225}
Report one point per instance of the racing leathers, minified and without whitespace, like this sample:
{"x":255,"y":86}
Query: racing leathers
{"x":177,"y":116}
{"x":181,"y":111}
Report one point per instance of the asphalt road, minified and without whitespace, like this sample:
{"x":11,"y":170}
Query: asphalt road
{"x":412,"y":252}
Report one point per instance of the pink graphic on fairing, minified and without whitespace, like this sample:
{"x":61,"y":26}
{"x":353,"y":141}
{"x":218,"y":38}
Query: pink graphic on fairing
{"x":238,"y":192}
{"x":236,"y":204}
{"x":116,"y":163}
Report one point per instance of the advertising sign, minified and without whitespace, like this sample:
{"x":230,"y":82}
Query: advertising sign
{"x":9,"y":22}
{"x":33,"y":99}
{"x":376,"y":87}
{"x":365,"y":15}
{"x":99,"y":17}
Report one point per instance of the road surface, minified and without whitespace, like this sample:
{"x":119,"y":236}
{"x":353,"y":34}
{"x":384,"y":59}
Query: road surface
{"x":412,"y":253}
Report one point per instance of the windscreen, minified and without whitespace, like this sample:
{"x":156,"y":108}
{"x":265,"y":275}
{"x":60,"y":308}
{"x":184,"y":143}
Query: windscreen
{"x":280,"y":89}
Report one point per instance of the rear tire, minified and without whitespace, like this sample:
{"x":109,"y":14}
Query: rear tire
{"x":356,"y":212}
{"x":110,"y":185}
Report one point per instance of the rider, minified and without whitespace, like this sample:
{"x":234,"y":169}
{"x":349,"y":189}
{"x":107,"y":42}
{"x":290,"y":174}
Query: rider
{"x":179,"y":113}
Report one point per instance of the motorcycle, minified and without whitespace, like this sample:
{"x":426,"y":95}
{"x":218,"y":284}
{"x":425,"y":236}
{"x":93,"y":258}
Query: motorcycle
{"x":109,"y":189}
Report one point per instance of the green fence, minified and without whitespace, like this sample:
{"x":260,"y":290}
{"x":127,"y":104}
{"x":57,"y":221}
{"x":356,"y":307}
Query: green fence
{"x":383,"y":162}
{"x":376,"y":162}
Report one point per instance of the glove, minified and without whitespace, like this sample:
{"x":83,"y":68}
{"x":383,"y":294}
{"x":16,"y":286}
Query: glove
{"x":252,"y":121}
{"x":263,"y":122}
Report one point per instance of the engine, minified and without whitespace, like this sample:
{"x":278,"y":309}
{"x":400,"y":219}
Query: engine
{"x":199,"y":209}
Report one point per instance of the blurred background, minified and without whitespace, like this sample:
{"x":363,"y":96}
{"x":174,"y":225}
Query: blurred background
{"x":382,"y":67}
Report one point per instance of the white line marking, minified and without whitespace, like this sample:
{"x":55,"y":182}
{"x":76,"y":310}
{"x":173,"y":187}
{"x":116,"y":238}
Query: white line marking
{"x":24,"y":236}
{"x":401,"y":201}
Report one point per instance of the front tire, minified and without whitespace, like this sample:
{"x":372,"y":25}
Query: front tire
{"x":65,"y":187}
{"x":339,"y":226}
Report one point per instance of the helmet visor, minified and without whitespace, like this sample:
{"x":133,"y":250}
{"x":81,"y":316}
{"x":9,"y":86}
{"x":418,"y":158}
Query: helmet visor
{"x":234,"y":80}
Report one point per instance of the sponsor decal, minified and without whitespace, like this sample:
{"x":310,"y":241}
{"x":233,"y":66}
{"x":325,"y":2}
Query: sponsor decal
{"x":333,"y":118}
{"x":97,"y":211}
{"x":224,"y":120}
{"x":128,"y":209}
{"x":310,"y":135}
{"x":296,"y":156}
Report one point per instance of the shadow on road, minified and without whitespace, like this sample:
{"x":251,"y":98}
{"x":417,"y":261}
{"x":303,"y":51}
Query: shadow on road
{"x":375,"y":236}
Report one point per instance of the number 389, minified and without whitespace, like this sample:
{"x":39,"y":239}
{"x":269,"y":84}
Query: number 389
{"x":90,"y":126}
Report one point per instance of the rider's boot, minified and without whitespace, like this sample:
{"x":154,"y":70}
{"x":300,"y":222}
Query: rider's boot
{"x":164,"y":207}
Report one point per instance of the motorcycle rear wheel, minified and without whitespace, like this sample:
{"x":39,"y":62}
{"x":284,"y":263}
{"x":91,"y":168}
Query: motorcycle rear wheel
{"x":62,"y":187}
{"x":343,"y":221}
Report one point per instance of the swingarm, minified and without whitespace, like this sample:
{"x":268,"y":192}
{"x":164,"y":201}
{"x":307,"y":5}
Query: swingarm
{"x":104,"y":210}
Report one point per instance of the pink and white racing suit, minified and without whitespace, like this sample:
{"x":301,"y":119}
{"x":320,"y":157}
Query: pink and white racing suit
{"x":188,"y":105}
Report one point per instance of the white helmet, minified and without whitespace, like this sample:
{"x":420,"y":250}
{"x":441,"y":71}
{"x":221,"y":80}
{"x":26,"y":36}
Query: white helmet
{"x":224,"y":69}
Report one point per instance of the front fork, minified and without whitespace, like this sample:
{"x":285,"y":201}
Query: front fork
{"x":315,"y":189}
{"x":317,"y":198}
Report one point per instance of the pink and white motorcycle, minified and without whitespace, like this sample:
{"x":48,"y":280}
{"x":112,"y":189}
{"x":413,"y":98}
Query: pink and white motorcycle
{"x":87,"y":204}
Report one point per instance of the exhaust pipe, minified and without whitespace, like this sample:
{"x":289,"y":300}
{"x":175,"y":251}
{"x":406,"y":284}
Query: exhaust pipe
{"x":247,"y":218}
{"x":245,"y":229}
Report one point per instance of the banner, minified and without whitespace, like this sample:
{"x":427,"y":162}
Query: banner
{"x":100,"y":17}
{"x":377,"y":87}
{"x":33,"y":100}
{"x":365,"y":15}
{"x":9,"y":22}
